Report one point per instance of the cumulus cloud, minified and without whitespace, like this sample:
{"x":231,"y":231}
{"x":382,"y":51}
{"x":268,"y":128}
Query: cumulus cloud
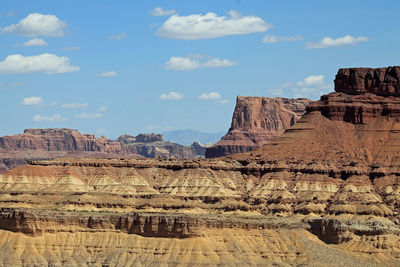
{"x":189,"y":63}
{"x":172,"y":96}
{"x":312,"y":86}
{"x":107,"y":74}
{"x":159,"y":11}
{"x":85,"y":115}
{"x":71,"y":48}
{"x":32,"y":101}
{"x":53,"y":118}
{"x":209,"y":96}
{"x":329,"y":42}
{"x":75,"y":105}
{"x":312,"y":80}
{"x":210,"y":25}
{"x":276,"y":39}
{"x":35,"y":42}
{"x":36,"y":24}
{"x":46,"y":63}
{"x":117,"y":37}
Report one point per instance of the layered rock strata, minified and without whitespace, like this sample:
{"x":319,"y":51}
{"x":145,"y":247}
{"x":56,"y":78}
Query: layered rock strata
{"x":199,"y":212}
{"x":34,"y":144}
{"x":324,"y":193}
{"x":256,"y":121}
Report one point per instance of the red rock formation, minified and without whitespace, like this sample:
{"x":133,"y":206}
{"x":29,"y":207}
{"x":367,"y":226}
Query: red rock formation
{"x":58,"y":140}
{"x":55,"y":143}
{"x":380,"y":81}
{"x":257,"y":121}
{"x":324,"y":193}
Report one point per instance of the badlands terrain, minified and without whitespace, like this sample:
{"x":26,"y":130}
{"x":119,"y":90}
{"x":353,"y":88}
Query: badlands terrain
{"x":324,"y":193}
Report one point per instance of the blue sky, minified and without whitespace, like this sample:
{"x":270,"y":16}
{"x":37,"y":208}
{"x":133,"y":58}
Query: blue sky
{"x":115,"y":67}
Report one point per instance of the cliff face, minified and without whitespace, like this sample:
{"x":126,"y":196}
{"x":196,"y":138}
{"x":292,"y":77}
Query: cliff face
{"x":58,"y":140}
{"x":55,"y":143}
{"x":380,"y":81}
{"x":256,"y":121}
{"x":324,"y":193}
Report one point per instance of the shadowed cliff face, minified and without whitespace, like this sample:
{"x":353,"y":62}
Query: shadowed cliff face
{"x":325,"y":192}
{"x":380,"y":81}
{"x":256,"y":121}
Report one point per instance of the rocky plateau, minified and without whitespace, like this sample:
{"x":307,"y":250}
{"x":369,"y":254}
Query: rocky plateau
{"x":324,"y":193}
{"x":34,"y":144}
{"x":257,"y":121}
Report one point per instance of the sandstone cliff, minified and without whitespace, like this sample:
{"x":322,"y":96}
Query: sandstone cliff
{"x":256,"y":121}
{"x":324,"y":193}
{"x":55,"y":143}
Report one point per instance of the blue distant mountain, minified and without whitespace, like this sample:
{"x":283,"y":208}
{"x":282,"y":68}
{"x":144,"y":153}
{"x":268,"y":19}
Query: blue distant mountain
{"x":188,"y":136}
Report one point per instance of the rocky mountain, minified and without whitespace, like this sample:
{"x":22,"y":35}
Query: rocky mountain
{"x":187,"y":136}
{"x":256,"y":121}
{"x":36,"y":144}
{"x":324,"y":193}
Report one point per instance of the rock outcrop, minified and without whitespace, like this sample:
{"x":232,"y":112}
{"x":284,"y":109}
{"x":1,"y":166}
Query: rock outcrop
{"x":324,"y":193}
{"x":380,"y":81}
{"x":34,"y":144}
{"x":256,"y":121}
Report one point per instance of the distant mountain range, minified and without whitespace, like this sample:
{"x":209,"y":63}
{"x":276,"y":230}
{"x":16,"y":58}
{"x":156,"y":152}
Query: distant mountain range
{"x":186,"y":137}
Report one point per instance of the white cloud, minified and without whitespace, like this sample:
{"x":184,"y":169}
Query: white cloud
{"x":329,"y":42}
{"x":46,"y":63}
{"x":210,"y":25}
{"x":54,"y":103}
{"x":218,"y":63}
{"x":53,"y":118}
{"x":312,"y":80}
{"x":71,"y":48}
{"x":171,"y":96}
{"x":32,"y":101}
{"x":188,"y":63}
{"x":276,"y":39}
{"x":182,"y":63}
{"x":159,"y":11}
{"x":36,"y":24}
{"x":102,"y":109}
{"x":85,"y":115}
{"x":117,"y":36}
{"x":75,"y":105}
{"x":107,"y":74}
{"x":209,"y":96}
{"x":312,"y":86}
{"x":35,"y":42}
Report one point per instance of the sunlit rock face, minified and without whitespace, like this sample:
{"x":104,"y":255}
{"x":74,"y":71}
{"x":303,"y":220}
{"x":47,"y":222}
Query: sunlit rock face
{"x":324,"y":193}
{"x":256,"y":121}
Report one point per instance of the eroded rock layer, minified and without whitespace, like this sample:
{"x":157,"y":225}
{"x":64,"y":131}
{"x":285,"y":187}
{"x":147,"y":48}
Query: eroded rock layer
{"x":256,"y":121}
{"x":302,"y":213}
{"x":324,"y":193}
{"x":34,"y":144}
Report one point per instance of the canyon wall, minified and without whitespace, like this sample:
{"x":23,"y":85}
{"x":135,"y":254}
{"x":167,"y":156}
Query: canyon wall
{"x":256,"y":121}
{"x":326,"y":192}
{"x":33,"y":144}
